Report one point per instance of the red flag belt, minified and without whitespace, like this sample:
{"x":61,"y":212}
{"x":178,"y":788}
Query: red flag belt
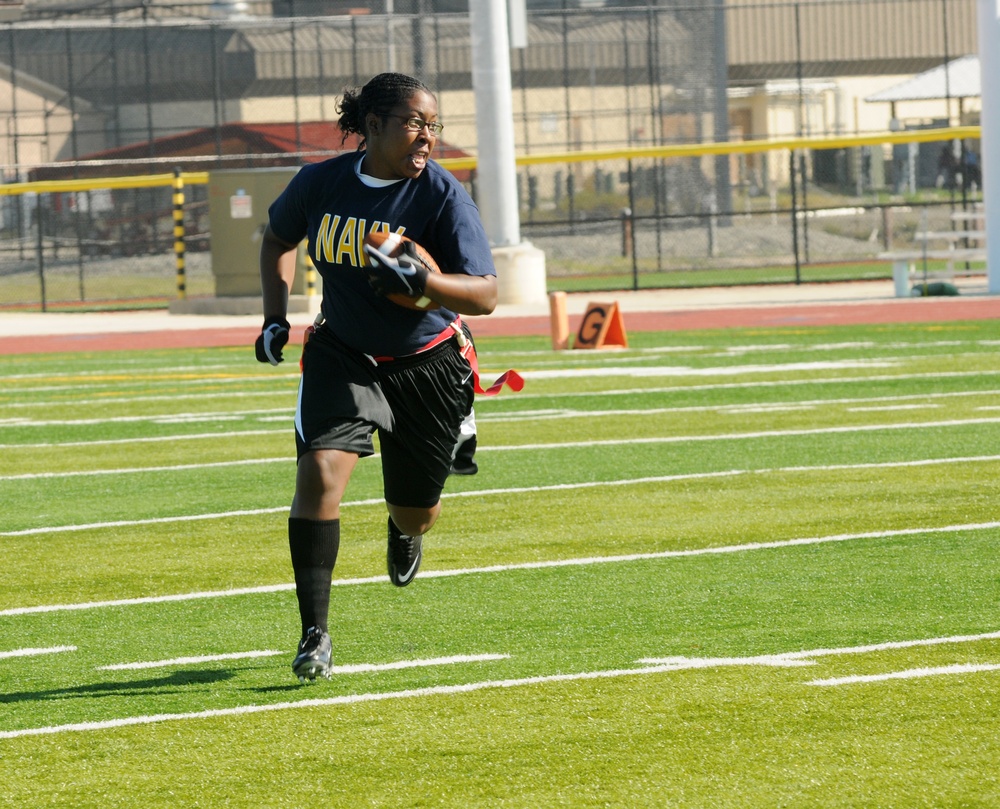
{"x":510,"y":378}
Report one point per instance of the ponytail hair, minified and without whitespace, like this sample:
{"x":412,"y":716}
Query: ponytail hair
{"x":379,"y":95}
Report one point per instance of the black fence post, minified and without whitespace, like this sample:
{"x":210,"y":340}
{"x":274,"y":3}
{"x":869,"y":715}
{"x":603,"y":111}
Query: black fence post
{"x":630,"y":214}
{"x":626,"y":232}
{"x":571,"y":197}
{"x":795,"y":217}
{"x":40,"y":248}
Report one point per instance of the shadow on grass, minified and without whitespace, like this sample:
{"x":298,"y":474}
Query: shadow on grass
{"x":278,"y":689}
{"x":174,"y":681}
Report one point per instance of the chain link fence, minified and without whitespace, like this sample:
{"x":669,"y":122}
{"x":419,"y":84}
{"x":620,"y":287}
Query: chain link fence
{"x":123,"y":90}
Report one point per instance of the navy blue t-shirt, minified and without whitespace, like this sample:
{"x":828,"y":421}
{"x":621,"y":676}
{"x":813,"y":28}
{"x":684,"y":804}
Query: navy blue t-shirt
{"x":328,"y":204}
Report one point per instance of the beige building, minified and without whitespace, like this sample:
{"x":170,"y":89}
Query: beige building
{"x":41,"y":125}
{"x":791,"y":68}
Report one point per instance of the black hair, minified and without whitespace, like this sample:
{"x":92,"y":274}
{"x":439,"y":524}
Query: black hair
{"x":379,"y":95}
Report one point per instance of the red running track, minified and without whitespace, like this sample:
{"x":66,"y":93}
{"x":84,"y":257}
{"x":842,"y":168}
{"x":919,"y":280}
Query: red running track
{"x":904,"y":310}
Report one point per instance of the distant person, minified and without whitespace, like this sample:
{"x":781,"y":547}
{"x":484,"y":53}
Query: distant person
{"x":947,"y":167}
{"x":972,"y":177}
{"x":372,"y":365}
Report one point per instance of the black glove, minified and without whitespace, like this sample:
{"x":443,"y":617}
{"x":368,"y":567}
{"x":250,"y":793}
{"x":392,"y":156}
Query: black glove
{"x":405,"y":274}
{"x":273,"y":337}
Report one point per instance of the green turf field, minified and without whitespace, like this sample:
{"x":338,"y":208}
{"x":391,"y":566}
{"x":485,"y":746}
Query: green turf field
{"x":742,"y":568}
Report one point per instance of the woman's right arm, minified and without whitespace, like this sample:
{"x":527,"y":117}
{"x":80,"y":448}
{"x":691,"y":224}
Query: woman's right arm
{"x":277,"y":272}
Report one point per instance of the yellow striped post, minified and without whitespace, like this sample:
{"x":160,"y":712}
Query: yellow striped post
{"x":179,"y":234}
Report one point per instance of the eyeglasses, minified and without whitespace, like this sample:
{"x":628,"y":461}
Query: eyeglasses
{"x":416,"y":124}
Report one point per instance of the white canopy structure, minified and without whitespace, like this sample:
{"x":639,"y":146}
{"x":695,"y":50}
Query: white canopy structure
{"x":959,"y":78}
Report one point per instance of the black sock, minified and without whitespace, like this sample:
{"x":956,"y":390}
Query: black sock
{"x":314,"y":545}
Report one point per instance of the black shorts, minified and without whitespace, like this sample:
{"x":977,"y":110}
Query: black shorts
{"x":417,"y":404}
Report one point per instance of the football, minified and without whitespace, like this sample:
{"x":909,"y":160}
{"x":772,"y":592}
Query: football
{"x":391,"y":244}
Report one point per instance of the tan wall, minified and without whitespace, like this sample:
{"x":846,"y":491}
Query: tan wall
{"x":832,"y":107}
{"x":758,"y":33}
{"x":132,"y":118}
{"x":601,"y":119}
{"x":43,"y":128}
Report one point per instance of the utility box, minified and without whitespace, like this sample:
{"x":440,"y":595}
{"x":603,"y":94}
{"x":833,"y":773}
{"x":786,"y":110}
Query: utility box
{"x":238,"y":200}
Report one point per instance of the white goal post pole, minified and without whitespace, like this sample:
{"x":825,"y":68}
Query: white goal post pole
{"x":496,"y":170}
{"x":989,"y":66}
{"x":520,"y":267}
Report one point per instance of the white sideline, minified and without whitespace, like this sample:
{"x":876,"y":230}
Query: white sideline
{"x":124,"y":602}
{"x":369,"y":502}
{"x":351,"y":699}
{"x":520,"y":490}
{"x":550,"y":395}
{"x":672,"y":665}
{"x":610,"y":442}
{"x":909,"y":674}
{"x":594,"y":560}
{"x":138,"y":470}
{"x":47,"y":650}
{"x":54,"y":529}
{"x":891,"y":645}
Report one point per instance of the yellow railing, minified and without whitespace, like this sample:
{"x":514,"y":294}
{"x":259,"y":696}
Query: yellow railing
{"x":591,"y":156}
{"x":736,"y":147}
{"x":178,"y":179}
{"x":89,"y":184}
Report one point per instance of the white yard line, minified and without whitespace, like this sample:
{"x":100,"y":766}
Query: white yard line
{"x":645,"y":371}
{"x":151,"y":439}
{"x":53,"y":529}
{"x":238,"y":369}
{"x":138,"y":470}
{"x":909,"y":674}
{"x":527,"y":395}
{"x":283,"y":414}
{"x":153,"y":418}
{"x":351,"y":699}
{"x":676,"y":439}
{"x":152,"y":397}
{"x":115,"y":381}
{"x":121,"y":602}
{"x":806,"y":656}
{"x":669,"y":665}
{"x":552,"y":563}
{"x":47,"y":650}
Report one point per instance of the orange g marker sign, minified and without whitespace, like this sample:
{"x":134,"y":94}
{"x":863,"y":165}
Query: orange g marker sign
{"x":602,"y":327}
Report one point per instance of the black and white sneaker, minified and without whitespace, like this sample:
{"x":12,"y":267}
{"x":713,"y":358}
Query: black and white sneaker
{"x":313,"y":658}
{"x":403,"y":556}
